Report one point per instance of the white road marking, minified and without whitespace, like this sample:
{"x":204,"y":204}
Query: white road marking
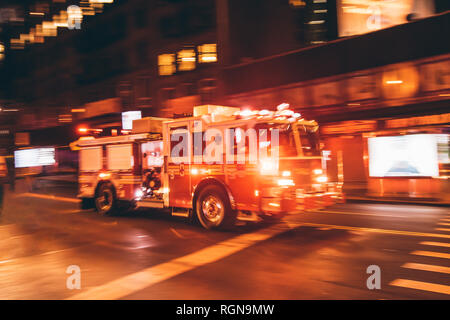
{"x":140,"y":280}
{"x":443,"y":229}
{"x":48,"y":197}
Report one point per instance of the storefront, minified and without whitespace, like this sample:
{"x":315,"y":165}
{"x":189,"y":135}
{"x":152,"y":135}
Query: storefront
{"x":407,"y":158}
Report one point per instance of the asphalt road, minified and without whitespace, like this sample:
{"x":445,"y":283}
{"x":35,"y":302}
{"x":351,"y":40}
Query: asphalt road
{"x":150,"y":255}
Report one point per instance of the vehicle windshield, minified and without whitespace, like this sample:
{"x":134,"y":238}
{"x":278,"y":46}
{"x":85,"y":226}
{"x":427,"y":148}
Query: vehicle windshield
{"x":285,"y":137}
{"x":309,"y":139}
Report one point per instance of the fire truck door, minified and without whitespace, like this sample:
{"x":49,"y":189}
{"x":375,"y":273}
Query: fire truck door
{"x":178,"y":168}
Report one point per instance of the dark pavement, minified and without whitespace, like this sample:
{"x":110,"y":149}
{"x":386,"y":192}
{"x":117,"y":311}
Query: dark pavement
{"x":150,"y":255}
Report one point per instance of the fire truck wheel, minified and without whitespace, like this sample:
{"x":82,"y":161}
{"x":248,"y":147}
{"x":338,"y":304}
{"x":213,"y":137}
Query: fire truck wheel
{"x":214,"y":209}
{"x":105,"y":199}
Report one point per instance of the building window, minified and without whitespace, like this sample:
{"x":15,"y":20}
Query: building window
{"x":297,"y":3}
{"x":207,"y":53}
{"x":166,"y":64}
{"x":186,"y":60}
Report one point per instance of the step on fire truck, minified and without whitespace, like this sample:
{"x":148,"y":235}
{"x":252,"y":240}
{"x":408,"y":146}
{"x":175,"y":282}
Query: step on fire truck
{"x":145,"y":169}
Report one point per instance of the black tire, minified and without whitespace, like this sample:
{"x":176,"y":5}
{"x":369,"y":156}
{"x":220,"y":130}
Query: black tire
{"x":213,"y":208}
{"x":105,"y":199}
{"x":87,"y":203}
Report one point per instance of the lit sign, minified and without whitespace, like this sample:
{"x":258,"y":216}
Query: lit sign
{"x":362,"y":16}
{"x":128,"y":117}
{"x":34,"y":157}
{"x":402,"y":156}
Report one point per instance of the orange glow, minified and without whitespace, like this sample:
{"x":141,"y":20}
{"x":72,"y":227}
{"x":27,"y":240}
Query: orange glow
{"x":78,"y":110}
{"x":83,"y":130}
{"x":186,"y":59}
{"x":207,"y":53}
{"x":104,"y":175}
{"x":166,"y":64}
{"x":194,"y":171}
{"x":394,"y":81}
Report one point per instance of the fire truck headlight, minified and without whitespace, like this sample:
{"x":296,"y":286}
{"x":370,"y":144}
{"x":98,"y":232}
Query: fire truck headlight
{"x":268,"y":167}
{"x":322,"y":179}
{"x":286,"y":173}
{"x":285,"y":182}
{"x":318,"y":171}
{"x":138,"y":194}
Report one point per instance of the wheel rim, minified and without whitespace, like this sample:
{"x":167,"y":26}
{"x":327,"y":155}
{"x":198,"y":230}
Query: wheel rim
{"x":213,"y":209}
{"x":105,"y":200}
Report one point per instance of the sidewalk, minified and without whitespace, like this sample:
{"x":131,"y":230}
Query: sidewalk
{"x":58,"y":185}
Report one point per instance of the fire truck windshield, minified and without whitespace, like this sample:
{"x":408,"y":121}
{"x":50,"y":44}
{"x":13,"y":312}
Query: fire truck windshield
{"x":285,"y":136}
{"x":309,"y":139}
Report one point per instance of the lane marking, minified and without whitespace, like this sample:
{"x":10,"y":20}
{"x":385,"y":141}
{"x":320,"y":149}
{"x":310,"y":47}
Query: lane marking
{"x":374,"y":230}
{"x":175,"y":232}
{"x":445,"y":219}
{"x":48,"y":197}
{"x":359,"y":214}
{"x":426,"y":267}
{"x":443,"y":223}
{"x":432,"y":254}
{"x":443,"y":229}
{"x":140,"y":280}
{"x":419,"y":285}
{"x":438,"y":244}
{"x":25,"y":259}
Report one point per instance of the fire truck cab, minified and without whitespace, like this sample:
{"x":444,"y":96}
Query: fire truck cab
{"x":162,"y":165}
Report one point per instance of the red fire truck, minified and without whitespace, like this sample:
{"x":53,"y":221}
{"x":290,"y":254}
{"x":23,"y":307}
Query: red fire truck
{"x":145,"y":169}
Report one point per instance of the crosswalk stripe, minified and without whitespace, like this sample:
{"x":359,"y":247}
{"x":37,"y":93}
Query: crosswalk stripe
{"x":419,"y":285}
{"x":444,"y":224}
{"x":374,"y":230}
{"x":445,"y":219}
{"x":432,"y":254}
{"x":138,"y":281}
{"x":437,"y":244}
{"x":443,"y":229}
{"x":426,"y":267}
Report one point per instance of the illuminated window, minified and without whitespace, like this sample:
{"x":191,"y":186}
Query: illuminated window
{"x":207,"y":53}
{"x":166,"y":64}
{"x":186,"y":60}
{"x":2,"y":50}
{"x":297,"y":3}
